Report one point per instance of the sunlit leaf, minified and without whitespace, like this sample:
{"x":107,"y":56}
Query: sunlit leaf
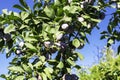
{"x":60,"y":65}
{"x":15,"y":69}
{"x":72,"y":63}
{"x":9,"y":28}
{"x":44,"y":76}
{"x":20,"y":78}
{"x":76,"y":43}
{"x":30,"y":46}
{"x":27,"y":68}
{"x":49,"y":12}
{"x":33,"y":78}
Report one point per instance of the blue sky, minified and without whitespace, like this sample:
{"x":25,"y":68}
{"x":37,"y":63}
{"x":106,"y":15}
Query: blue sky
{"x":89,"y":51}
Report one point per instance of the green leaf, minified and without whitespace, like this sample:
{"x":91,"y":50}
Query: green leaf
{"x":30,"y":46}
{"x":16,"y":69}
{"x":110,"y":41}
{"x":110,"y":28}
{"x":24,"y":15}
{"x":57,"y":2}
{"x":19,"y":7}
{"x":66,"y":19}
{"x":39,"y":63}
{"x":44,"y":76}
{"x":47,"y":72}
{"x":104,"y":32}
{"x":3,"y":76}
{"x":118,"y":52}
{"x":37,"y":5}
{"x":49,"y":12}
{"x":81,"y":57}
{"x":23,"y":26}
{"x":30,"y":65}
{"x":23,"y":3}
{"x":49,"y":69}
{"x":95,"y":20}
{"x":30,"y":39}
{"x":9,"y":28}
{"x":33,"y":78}
{"x":86,"y":16}
{"x":20,"y":78}
{"x":60,"y":65}
{"x":76,"y":43}
{"x":27,"y":68}
{"x":72,"y":63}
{"x":42,"y":58}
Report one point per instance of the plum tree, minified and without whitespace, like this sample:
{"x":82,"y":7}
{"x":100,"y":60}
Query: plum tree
{"x":48,"y":35}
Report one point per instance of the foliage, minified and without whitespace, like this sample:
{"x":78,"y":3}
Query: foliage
{"x":107,"y":69}
{"x":50,"y":28}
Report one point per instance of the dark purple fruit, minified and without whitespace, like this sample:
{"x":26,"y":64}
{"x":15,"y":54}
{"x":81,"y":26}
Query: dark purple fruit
{"x":1,"y":33}
{"x":83,"y":4}
{"x":53,"y":49}
{"x":102,"y":15}
{"x":66,"y":77}
{"x":91,"y":2}
{"x":7,"y":37}
{"x":74,"y":77}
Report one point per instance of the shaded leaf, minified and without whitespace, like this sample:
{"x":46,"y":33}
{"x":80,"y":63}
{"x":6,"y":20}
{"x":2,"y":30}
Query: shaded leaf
{"x":23,"y":3}
{"x":19,"y":7}
{"x":118,"y":52}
